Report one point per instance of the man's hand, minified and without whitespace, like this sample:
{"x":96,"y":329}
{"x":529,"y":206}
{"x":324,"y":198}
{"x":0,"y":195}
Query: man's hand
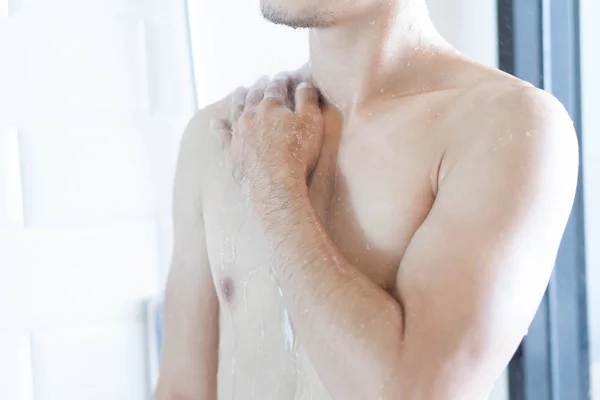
{"x":268,"y":138}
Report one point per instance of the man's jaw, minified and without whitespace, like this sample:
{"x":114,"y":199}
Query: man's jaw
{"x":308,"y":18}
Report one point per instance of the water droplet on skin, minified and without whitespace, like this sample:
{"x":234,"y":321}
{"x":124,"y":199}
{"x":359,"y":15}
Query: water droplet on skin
{"x":408,"y":64}
{"x":369,"y":114}
{"x":369,"y":248}
{"x":373,"y":22}
{"x":288,"y":330}
{"x":527,"y":133}
{"x":382,"y":90}
{"x":510,"y":137}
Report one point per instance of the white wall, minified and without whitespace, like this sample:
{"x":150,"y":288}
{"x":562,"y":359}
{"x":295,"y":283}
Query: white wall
{"x":233,"y":46}
{"x":94,"y":96}
{"x":590,"y":83}
{"x":470,"y":25}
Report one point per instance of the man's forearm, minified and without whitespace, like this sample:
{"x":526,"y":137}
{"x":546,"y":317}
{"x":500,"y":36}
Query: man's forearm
{"x":345,"y":321}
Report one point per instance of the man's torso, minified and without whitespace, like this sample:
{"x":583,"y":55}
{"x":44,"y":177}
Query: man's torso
{"x":373,"y":186}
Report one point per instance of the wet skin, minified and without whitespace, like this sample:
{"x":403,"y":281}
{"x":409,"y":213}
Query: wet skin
{"x":370,"y":210}
{"x":402,"y":255}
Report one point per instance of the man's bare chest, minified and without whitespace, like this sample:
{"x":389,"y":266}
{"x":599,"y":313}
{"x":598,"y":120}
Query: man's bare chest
{"x":370,"y":196}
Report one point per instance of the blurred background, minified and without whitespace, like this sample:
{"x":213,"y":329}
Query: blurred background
{"x":94,"y":97}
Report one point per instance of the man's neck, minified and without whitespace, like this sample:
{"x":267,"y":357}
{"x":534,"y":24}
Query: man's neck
{"x":353,"y":61}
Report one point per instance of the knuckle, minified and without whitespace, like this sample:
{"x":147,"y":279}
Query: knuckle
{"x":246,"y":117}
{"x":239,"y":98}
{"x":251,"y":98}
{"x":266,"y":105}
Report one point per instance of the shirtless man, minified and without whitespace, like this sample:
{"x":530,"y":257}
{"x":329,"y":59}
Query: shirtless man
{"x":391,"y":240}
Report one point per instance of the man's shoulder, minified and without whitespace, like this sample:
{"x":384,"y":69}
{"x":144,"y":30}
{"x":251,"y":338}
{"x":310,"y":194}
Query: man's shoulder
{"x":515,"y":126}
{"x":199,"y":127}
{"x":199,"y":148}
{"x":494,"y":94}
{"x":503,"y":104}
{"x":198,"y":142}
{"x":519,"y":99}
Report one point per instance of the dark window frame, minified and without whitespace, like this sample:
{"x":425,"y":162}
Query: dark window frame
{"x":539,"y":42}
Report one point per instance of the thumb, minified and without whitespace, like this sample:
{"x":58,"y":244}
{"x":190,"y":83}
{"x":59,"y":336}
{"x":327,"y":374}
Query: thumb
{"x":307,"y":99}
{"x":221,"y":128}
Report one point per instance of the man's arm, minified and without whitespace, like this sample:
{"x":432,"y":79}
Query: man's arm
{"x":190,"y":350}
{"x":471,"y":278}
{"x":475,"y":272}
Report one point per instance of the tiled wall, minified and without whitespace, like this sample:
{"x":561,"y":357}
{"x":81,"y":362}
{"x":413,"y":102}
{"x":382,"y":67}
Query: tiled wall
{"x":94,"y":96}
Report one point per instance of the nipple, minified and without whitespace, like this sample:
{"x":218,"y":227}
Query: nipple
{"x":227,"y":288}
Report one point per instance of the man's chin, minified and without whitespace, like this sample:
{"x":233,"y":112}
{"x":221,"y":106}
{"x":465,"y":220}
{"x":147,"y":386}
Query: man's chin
{"x":301,"y":19}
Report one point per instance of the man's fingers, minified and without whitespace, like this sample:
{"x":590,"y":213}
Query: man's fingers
{"x":256,"y":93}
{"x":238,"y":101}
{"x":277,"y":90}
{"x":307,"y":99}
{"x":222,"y":128}
{"x":294,"y":81}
